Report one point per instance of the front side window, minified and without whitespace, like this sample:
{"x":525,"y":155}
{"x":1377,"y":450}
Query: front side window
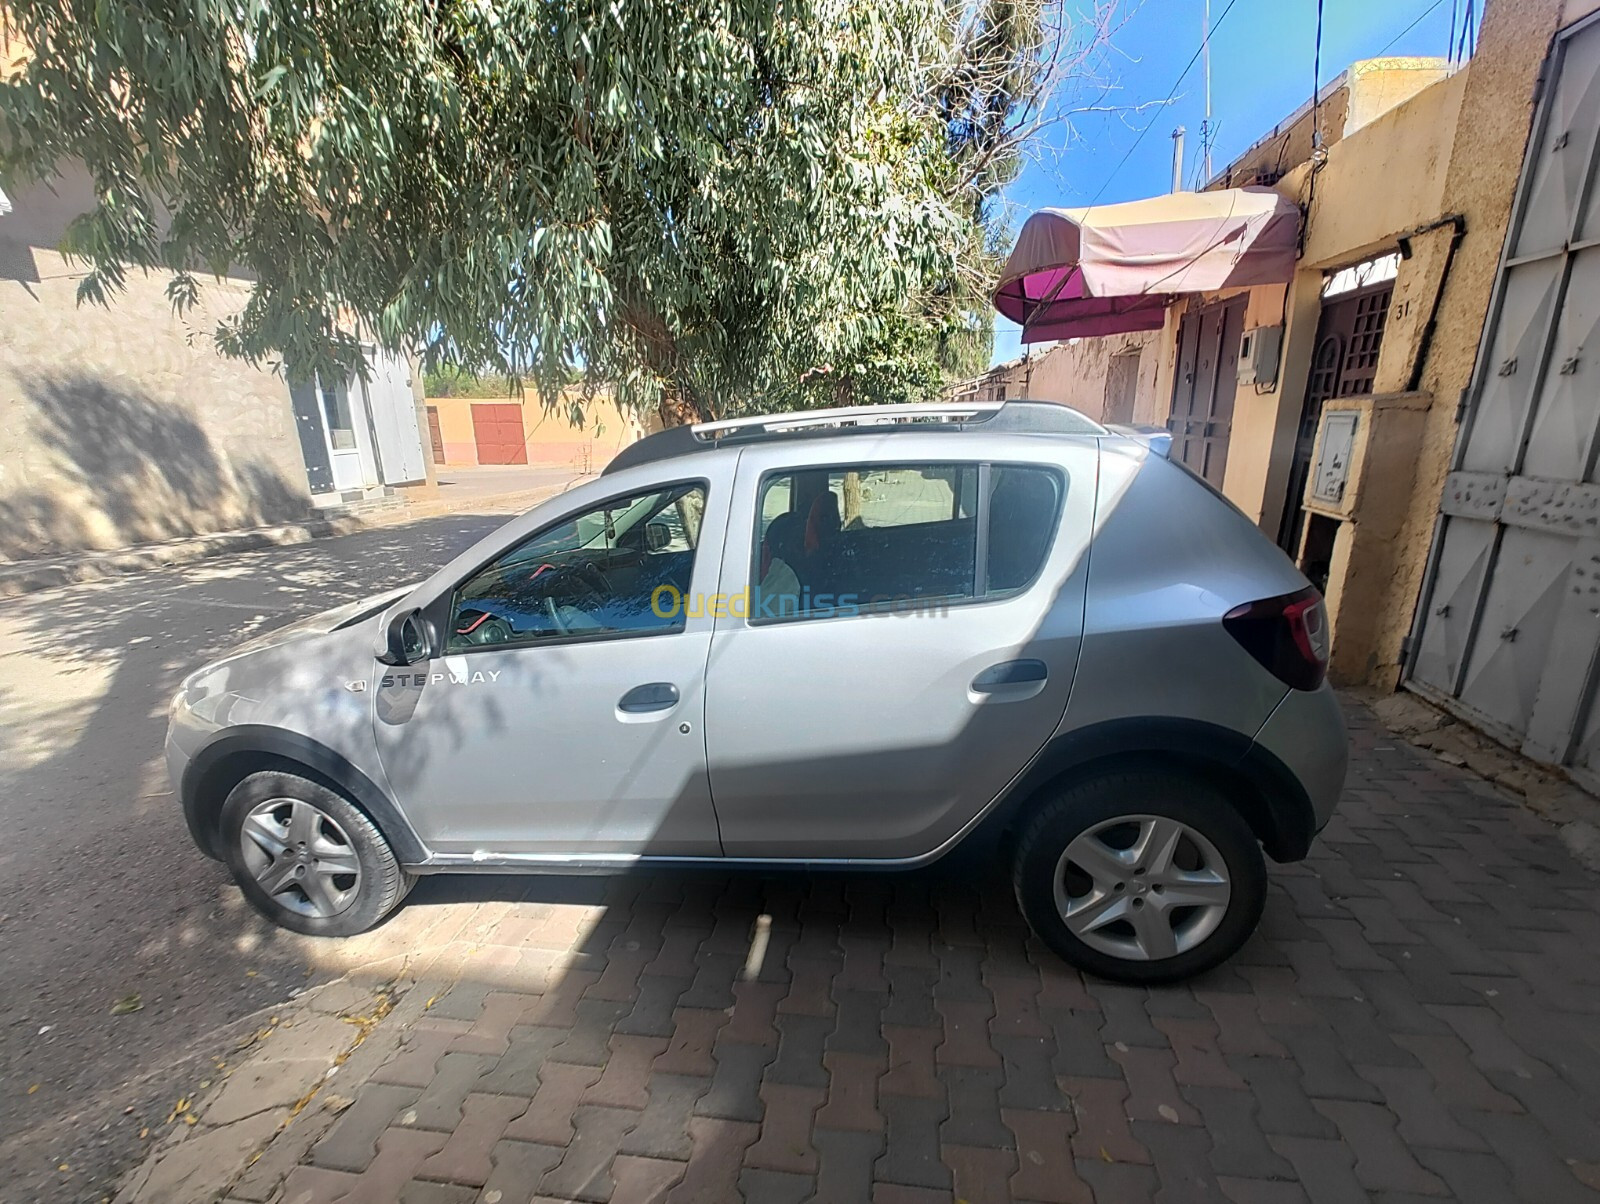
{"x":885,"y":537}
{"x":596,"y":574}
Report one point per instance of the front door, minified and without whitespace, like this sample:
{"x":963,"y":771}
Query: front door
{"x":907,"y":643}
{"x":1344,"y":363}
{"x":339,"y":427}
{"x":564,"y":717}
{"x":435,"y":435}
{"x":1203,"y":393}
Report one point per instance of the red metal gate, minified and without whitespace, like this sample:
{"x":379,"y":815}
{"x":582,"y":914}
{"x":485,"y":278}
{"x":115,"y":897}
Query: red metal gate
{"x":497,"y":430}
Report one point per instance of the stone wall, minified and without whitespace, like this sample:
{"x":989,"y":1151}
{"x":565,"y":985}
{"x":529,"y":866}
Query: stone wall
{"x":123,"y":425}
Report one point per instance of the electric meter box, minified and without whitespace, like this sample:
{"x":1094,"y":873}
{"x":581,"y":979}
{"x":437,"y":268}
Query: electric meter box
{"x":1258,"y":355}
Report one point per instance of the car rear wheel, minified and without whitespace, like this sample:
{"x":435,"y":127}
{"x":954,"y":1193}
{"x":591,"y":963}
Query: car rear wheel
{"x":307,"y":858}
{"x":1144,"y":877}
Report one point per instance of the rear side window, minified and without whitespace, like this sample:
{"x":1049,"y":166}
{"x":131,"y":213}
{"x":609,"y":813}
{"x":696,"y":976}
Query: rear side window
{"x":1023,"y":505}
{"x":848,"y":539}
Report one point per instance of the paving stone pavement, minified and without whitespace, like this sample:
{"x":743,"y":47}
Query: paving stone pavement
{"x":1417,"y":1019}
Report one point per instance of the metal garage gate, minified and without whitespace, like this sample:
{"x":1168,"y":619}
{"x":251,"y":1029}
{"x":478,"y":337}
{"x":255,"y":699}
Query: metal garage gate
{"x":1509,"y":620}
{"x":497,"y":431}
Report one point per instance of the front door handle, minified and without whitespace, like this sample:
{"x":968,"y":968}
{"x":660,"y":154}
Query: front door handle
{"x":1010,"y":676}
{"x":653,"y":696}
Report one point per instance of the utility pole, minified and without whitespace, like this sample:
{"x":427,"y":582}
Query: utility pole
{"x":1177,"y":158}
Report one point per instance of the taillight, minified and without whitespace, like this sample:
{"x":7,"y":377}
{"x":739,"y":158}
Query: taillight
{"x":1287,"y":634}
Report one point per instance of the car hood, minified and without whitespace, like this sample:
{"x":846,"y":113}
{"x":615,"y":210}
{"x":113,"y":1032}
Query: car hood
{"x":350,"y":614}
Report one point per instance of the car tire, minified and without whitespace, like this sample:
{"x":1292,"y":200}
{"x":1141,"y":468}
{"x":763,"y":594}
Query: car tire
{"x":336,"y":872}
{"x":1108,"y":865}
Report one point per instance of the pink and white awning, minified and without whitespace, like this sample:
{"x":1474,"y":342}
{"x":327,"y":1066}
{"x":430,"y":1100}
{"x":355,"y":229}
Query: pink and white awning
{"x":1109,"y":269}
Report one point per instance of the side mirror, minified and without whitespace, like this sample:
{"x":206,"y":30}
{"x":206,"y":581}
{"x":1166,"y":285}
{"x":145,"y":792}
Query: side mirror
{"x":405,"y":640}
{"x":657,"y":536}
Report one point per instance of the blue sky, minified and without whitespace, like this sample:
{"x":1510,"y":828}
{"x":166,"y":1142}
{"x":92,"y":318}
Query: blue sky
{"x":1261,"y":71}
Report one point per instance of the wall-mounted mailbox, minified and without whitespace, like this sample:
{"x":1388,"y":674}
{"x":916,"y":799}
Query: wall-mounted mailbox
{"x":1335,"y":452}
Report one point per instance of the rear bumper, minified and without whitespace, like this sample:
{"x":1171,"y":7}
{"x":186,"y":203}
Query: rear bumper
{"x":1306,"y":734}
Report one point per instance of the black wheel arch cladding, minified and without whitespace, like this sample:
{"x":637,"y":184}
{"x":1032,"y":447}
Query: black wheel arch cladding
{"x":235,"y":752}
{"x":1261,"y":787}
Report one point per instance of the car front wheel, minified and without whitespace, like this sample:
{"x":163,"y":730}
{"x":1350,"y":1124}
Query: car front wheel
{"x":1143,"y":877}
{"x":307,"y":858}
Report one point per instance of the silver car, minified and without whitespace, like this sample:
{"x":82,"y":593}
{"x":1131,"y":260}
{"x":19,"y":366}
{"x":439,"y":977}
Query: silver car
{"x":854,"y":639}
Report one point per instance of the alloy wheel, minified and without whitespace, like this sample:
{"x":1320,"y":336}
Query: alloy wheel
{"x":1142,"y":887}
{"x":301,"y":857}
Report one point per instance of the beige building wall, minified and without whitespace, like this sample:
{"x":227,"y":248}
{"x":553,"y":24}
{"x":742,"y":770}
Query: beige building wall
{"x":1353,"y":100}
{"x":1077,"y":373}
{"x":1452,"y":149}
{"x":1352,"y":218}
{"x":124,"y":425}
{"x":581,"y":435}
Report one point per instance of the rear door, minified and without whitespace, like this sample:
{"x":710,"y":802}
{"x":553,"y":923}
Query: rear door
{"x":914,"y":646}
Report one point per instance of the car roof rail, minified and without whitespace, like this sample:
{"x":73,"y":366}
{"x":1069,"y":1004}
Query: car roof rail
{"x":1017,"y":417}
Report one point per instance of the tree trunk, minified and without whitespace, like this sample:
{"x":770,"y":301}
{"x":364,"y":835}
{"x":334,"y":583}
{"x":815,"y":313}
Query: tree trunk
{"x":850,"y":504}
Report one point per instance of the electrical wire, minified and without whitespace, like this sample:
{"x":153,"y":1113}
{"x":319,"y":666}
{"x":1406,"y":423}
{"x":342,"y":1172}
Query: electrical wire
{"x":1469,"y":34}
{"x":1123,"y":162}
{"x":1421,"y":17}
{"x":1316,"y":86}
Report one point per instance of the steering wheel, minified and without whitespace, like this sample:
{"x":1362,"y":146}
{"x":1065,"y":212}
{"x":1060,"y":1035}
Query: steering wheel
{"x":591,"y":575}
{"x":589,"y":589}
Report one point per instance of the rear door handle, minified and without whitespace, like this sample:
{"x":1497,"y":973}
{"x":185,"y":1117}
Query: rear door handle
{"x":1010,"y":674}
{"x":653,"y":696}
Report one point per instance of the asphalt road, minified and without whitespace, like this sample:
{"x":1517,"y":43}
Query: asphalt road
{"x":102,"y":896}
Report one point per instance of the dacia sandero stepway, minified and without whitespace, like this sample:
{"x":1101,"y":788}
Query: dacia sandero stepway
{"x":847,"y":639}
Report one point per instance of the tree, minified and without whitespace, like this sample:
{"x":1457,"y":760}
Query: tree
{"x":704,"y":204}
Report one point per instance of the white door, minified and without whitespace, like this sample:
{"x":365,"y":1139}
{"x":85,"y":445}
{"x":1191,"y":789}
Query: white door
{"x":339,"y":427}
{"x":394,"y":420}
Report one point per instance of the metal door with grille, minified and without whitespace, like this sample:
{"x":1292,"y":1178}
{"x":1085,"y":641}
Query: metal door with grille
{"x":1508,"y":625}
{"x":1202,"y":398}
{"x":1343,"y":364}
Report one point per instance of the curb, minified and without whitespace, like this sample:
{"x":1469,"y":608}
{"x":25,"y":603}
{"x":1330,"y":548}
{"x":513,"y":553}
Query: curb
{"x":1543,"y":789}
{"x":27,"y":577}
{"x":256,"y":1125}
